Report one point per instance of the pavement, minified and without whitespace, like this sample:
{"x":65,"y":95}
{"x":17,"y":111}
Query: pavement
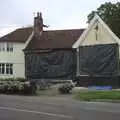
{"x":55,"y":108}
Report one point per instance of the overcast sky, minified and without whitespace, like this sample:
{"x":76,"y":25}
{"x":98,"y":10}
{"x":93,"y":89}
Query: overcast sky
{"x":58,"y":14}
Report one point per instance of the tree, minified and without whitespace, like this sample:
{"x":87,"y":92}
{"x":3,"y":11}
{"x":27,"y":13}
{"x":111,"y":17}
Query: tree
{"x":110,"y":13}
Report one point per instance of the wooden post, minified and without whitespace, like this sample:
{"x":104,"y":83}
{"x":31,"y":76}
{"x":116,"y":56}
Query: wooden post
{"x":78,"y":63}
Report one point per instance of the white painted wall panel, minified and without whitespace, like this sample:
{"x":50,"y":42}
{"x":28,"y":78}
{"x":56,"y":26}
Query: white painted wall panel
{"x":103,"y":37}
{"x":17,"y":58}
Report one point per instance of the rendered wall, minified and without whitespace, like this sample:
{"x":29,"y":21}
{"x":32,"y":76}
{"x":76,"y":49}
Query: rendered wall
{"x":16,"y":58}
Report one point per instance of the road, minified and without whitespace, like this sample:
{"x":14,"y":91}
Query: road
{"x":55,"y":108}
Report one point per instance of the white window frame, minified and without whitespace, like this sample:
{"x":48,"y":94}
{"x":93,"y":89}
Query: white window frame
{"x":6,"y":69}
{"x":9,"y":68}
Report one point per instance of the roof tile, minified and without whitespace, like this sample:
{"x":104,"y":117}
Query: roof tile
{"x":55,"y":39}
{"x":19,"y":35}
{"x":50,"y":39}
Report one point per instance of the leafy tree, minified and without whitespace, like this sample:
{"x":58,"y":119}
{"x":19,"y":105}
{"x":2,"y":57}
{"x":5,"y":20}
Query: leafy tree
{"x":110,"y":13}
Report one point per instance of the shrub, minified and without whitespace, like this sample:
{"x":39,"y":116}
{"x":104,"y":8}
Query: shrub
{"x":20,"y":79}
{"x":13,"y":79}
{"x":29,"y":88}
{"x":20,"y":86}
{"x":1,"y":87}
{"x":65,"y":88}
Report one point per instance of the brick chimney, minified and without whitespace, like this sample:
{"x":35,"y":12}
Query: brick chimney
{"x":38,"y":25}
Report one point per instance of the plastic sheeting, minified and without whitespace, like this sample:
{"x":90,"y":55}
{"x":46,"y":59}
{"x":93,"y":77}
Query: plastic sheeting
{"x":58,"y":64}
{"x":99,"y":60}
{"x":86,"y":81}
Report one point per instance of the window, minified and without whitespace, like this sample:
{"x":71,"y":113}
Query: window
{"x":9,"y":68}
{"x":2,"y":68}
{"x":6,"y":68}
{"x":6,"y":47}
{"x":9,"y":47}
{"x":2,"y":47}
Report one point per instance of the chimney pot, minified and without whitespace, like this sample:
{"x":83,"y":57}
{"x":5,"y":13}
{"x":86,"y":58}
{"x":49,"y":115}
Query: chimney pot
{"x":40,"y":14}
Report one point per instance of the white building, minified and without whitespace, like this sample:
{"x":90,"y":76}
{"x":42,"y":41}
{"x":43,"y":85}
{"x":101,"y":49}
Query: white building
{"x":12,"y":63}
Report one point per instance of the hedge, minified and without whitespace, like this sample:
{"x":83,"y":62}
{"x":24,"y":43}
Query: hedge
{"x":17,"y":86}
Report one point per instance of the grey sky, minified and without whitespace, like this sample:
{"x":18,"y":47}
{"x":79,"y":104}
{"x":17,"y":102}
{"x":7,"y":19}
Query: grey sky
{"x":59,"y":14}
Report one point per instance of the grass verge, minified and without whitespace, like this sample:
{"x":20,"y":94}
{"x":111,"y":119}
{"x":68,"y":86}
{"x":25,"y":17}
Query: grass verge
{"x":109,"y":96}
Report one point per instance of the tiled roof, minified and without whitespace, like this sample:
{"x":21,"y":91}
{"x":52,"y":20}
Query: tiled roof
{"x":55,"y":39}
{"x":49,"y":39}
{"x":19,"y":35}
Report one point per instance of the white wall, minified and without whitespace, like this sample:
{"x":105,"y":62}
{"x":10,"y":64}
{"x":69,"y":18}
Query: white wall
{"x":103,"y":37}
{"x":17,"y":58}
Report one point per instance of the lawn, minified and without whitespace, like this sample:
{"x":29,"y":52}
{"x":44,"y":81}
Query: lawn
{"x":98,"y":95}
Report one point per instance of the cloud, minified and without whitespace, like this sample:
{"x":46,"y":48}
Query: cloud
{"x":56,"y":13}
{"x":7,"y":30}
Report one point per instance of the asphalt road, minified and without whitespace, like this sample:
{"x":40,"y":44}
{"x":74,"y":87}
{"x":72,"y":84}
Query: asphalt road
{"x":55,"y":108}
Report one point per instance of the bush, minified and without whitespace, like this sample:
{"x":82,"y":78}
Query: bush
{"x":20,"y":86}
{"x":65,"y":88}
{"x":29,"y":88}
{"x":13,"y":79}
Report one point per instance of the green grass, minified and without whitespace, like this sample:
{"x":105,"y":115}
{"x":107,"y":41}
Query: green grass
{"x":98,"y":95}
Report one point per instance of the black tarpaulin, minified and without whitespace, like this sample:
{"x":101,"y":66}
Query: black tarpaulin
{"x":58,"y":64}
{"x":99,"y":60}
